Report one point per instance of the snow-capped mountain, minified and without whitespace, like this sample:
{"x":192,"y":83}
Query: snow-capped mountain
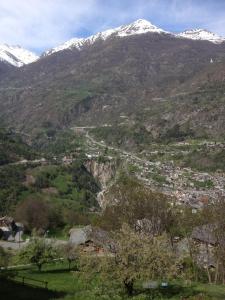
{"x":16,"y":55}
{"x":138,"y":27}
{"x":202,"y":34}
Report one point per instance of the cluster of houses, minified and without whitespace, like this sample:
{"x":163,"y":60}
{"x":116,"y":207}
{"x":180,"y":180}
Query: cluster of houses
{"x":91,"y":239}
{"x":203,"y":241}
{"x":10,"y":230}
{"x":95,"y":240}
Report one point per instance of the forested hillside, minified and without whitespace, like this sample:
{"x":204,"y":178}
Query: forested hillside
{"x":153,"y":80}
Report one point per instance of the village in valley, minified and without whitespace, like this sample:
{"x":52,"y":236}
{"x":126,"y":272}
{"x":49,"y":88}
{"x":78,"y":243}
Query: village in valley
{"x":189,"y":192}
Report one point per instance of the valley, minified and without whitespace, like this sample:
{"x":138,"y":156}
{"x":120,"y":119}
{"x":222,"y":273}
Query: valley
{"x":112,"y":166}
{"x":165,"y":168}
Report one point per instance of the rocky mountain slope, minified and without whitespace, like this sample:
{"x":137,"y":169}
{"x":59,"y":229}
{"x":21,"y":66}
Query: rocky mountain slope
{"x":4,"y":68}
{"x":148,"y":78}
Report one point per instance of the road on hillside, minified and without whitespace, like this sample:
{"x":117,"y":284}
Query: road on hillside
{"x":133,"y":156}
{"x":17,"y":246}
{"x":12,"y":245}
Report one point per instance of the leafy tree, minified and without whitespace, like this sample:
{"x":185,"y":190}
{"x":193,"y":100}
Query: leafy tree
{"x":12,"y":147}
{"x":11,"y":186}
{"x":33,"y":213}
{"x":70,"y":253}
{"x":210,"y":223}
{"x":38,"y":252}
{"x":177,"y":133}
{"x":39,"y":214}
{"x":217,"y":215}
{"x":135,"y":257}
{"x":136,"y":202}
{"x":42,"y":181}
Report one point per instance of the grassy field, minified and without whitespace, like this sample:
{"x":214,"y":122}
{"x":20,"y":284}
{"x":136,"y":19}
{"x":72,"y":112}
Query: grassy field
{"x":65,"y":284}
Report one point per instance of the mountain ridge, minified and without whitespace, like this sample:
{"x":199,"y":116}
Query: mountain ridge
{"x":202,"y":34}
{"x":139,"y":26}
{"x":18,"y":56}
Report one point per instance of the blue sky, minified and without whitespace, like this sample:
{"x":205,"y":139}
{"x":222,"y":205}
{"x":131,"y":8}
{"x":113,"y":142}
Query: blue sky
{"x":41,"y":24}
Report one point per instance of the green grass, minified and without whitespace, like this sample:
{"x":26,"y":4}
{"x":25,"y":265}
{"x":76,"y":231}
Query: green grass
{"x":58,"y":277}
{"x":65,"y":284}
{"x":208,"y":184}
{"x":159,"y":178}
{"x":132,"y":169}
{"x":213,"y":291}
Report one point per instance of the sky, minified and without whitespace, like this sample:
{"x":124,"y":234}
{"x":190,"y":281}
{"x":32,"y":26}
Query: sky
{"x":39,"y":25}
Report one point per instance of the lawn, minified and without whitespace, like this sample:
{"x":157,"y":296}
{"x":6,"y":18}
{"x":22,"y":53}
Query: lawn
{"x":65,"y":284}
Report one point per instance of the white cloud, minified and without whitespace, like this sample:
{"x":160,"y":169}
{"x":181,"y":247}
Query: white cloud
{"x":42,"y":23}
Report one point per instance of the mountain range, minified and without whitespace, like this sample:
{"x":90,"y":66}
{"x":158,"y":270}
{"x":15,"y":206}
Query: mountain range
{"x":134,"y":75}
{"x":18,"y":56}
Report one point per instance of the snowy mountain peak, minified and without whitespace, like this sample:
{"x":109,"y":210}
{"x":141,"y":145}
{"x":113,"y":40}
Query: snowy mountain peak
{"x":138,"y":27}
{"x":16,"y":55}
{"x":142,"y":23}
{"x":202,"y":34}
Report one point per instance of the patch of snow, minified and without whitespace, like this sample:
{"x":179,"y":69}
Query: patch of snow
{"x":16,"y":55}
{"x":203,"y":35}
{"x":138,"y":27}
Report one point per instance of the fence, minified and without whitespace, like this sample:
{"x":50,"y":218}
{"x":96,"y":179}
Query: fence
{"x":30,"y":281}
